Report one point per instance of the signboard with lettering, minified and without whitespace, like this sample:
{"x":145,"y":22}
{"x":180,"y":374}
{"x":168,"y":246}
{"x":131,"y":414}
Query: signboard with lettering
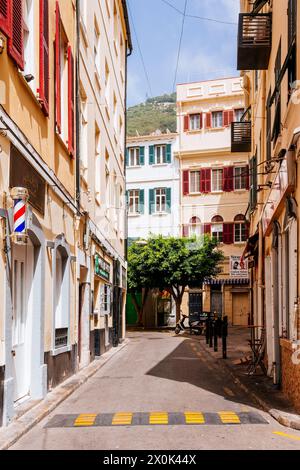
{"x":22,"y":174}
{"x":102,"y":267}
{"x":238,"y":267}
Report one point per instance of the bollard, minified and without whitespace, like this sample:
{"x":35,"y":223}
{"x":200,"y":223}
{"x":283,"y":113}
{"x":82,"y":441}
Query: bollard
{"x":211,"y":326}
{"x":216,"y":335}
{"x":224,"y":337}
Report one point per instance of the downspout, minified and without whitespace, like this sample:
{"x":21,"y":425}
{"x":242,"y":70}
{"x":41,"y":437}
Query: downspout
{"x":78,"y":127}
{"x":128,"y":52}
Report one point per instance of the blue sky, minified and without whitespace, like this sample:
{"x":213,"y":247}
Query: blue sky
{"x":208,"y":48}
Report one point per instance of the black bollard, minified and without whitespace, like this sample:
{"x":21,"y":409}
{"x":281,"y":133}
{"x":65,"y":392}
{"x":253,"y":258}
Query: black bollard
{"x":224,"y":337}
{"x":211,"y":332}
{"x":207,"y":328}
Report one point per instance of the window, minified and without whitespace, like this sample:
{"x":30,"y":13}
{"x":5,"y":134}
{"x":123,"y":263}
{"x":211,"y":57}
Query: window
{"x":240,"y":229}
{"x":217,"y":119}
{"x":29,"y":44}
{"x":217,"y":180}
{"x":133,"y":201}
{"x":195,"y":227}
{"x":160,"y":200}
{"x":160,"y":154}
{"x":61,"y":297}
{"x":134,"y":156}
{"x":195,"y":181}
{"x":195,"y":122}
{"x":240,"y":177}
{"x":217,"y":228}
{"x":238,"y":113}
{"x":97,"y":164}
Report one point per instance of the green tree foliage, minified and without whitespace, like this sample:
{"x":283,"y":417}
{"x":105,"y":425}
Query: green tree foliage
{"x":155,"y":113}
{"x":173,"y":264}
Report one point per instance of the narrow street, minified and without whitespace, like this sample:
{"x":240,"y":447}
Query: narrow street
{"x":157,"y":372}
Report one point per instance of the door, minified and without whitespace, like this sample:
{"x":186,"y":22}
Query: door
{"x":22,"y":276}
{"x":240,"y":308}
{"x":195,"y":305}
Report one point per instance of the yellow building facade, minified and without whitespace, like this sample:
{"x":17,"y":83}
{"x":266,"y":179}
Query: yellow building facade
{"x":214,"y":190}
{"x":268,"y":58}
{"x":40,"y":139}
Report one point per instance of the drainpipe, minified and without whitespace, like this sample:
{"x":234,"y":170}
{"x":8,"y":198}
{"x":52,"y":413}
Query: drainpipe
{"x":78,"y":127}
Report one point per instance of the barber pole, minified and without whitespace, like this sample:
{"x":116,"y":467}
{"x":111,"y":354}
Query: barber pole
{"x":20,"y":198}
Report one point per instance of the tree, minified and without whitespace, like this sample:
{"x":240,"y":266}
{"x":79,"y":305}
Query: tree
{"x":173,"y":264}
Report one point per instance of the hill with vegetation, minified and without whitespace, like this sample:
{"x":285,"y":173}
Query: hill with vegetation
{"x":155,"y":113}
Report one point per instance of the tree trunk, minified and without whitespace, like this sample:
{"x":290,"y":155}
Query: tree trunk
{"x":178,"y":308}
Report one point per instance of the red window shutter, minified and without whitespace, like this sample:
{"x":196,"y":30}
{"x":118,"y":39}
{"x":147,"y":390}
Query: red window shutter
{"x":230,"y":117}
{"x":186,"y":123}
{"x":228,"y":183}
{"x":16,"y":39}
{"x":186,"y":182}
{"x":207,"y":229}
{"x":225,"y":118}
{"x":71,"y":108}
{"x":247,"y":178}
{"x":201,"y":120}
{"x":208,"y":120}
{"x":57,"y":70}
{"x":44,"y":56}
{"x":205,"y":181}
{"x":185,"y":231}
{"x":5,"y":17}
{"x":228,"y":233}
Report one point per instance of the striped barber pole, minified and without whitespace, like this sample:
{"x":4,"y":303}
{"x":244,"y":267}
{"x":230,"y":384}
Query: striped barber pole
{"x":19,"y":216}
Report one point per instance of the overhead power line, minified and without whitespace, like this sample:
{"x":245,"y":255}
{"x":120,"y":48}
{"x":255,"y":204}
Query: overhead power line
{"x":180,"y":43}
{"x":140,"y":52}
{"x":202,"y":18}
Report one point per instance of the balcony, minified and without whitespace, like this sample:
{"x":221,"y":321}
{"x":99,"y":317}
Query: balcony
{"x":254,"y":41}
{"x":241,"y":136}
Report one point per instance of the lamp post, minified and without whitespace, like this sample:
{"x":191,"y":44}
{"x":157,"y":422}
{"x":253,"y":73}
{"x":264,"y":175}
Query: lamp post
{"x":20,"y":197}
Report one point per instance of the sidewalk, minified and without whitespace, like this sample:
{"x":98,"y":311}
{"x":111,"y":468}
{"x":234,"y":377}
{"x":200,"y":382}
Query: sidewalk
{"x":259,"y":387}
{"x":21,"y":425}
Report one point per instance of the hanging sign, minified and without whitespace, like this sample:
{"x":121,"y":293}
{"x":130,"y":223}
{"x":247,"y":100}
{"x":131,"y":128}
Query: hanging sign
{"x":20,"y":197}
{"x":102,"y":267}
{"x":239,"y":267}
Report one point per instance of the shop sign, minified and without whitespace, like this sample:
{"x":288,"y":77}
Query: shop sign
{"x":102,"y":268}
{"x":279,"y":189}
{"x":239,"y":267}
{"x":22,"y":174}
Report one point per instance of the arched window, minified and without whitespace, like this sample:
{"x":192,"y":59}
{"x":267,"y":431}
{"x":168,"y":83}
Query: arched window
{"x":240,"y":229}
{"x":195,"y":226}
{"x":217,"y":228}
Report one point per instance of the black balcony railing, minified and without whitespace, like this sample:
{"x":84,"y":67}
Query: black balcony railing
{"x":254,"y":41}
{"x":241,"y":136}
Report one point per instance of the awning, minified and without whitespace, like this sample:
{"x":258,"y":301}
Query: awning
{"x":251,"y":246}
{"x":228,"y":281}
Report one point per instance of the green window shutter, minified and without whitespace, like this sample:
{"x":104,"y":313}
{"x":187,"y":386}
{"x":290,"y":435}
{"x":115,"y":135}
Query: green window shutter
{"x":127,"y":157}
{"x":142,"y":201}
{"x":142,"y":155}
{"x":168,"y":198}
{"x":151,"y":201}
{"x":169,"y":153}
{"x":151,"y":155}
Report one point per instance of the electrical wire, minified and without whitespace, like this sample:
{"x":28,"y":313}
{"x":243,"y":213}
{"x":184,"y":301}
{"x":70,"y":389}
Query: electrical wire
{"x":203,"y":18}
{"x":180,"y":43}
{"x":140,"y":52}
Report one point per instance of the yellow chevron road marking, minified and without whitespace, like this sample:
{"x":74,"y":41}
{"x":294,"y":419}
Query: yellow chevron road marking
{"x":289,"y":436}
{"x":158,"y":418}
{"x":229,"y":417}
{"x":192,"y":417}
{"x":122,"y":418}
{"x":85,"y":420}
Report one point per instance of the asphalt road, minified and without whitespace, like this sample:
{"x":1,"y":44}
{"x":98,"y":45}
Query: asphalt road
{"x":198,"y":405}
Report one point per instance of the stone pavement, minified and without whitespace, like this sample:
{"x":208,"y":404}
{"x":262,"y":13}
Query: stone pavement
{"x":259,"y":387}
